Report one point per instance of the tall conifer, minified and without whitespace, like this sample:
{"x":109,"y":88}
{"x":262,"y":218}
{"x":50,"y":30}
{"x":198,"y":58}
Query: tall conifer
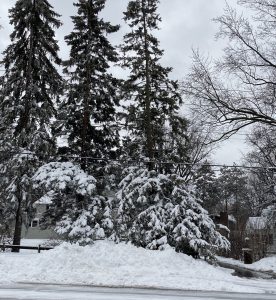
{"x":29,"y":88}
{"x":156,"y":207}
{"x":154,"y":97}
{"x":85,"y":117}
{"x":89,"y":107}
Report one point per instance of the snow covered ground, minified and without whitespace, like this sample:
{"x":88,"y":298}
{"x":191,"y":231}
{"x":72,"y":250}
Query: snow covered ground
{"x":109,"y":264}
{"x":265,"y":264}
{"x":33,"y":242}
{"x":54,"y":292}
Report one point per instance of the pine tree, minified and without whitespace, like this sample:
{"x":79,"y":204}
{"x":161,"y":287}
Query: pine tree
{"x":154,"y":98}
{"x":157,"y":209}
{"x":234,"y":192}
{"x":207,"y":187}
{"x":76,"y":212}
{"x":90,"y":106}
{"x":29,"y":87}
{"x":85,"y":117}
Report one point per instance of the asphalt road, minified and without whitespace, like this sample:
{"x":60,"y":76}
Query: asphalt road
{"x":51,"y":292}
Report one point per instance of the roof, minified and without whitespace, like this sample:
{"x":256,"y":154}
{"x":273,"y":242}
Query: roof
{"x":231,"y":218}
{"x":256,"y":223}
{"x":46,"y":199}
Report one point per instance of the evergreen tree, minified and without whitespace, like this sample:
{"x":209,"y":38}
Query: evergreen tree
{"x":234,"y":192}
{"x":262,"y":141}
{"x":89,"y":107}
{"x":29,"y":87}
{"x":207,"y":187}
{"x":76,"y":212}
{"x":6,"y":216}
{"x":85,"y":117}
{"x":154,"y":98}
{"x":157,"y":209}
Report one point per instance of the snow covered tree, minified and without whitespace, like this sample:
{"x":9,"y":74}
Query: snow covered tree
{"x":29,"y":87}
{"x":192,"y":230}
{"x":157,"y":209}
{"x":207,"y":187}
{"x":76,"y":212}
{"x":88,"y":111}
{"x":153,"y":98}
{"x":262,"y":181}
{"x":233,"y":189}
{"x":6,"y":215}
{"x":138,"y":192}
{"x":86,"y":118}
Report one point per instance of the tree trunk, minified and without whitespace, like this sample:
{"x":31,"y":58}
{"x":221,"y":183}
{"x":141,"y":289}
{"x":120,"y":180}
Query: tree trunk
{"x":148,"y":125}
{"x":17,"y":227}
{"x":86,"y":113}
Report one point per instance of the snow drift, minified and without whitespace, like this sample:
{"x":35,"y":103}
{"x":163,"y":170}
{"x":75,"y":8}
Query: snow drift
{"x":109,"y":264}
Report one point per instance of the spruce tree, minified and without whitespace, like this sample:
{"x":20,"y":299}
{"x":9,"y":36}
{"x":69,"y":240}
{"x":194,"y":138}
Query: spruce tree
{"x":86,"y":115}
{"x":156,"y":207}
{"x":29,"y":88}
{"x":233,"y":188}
{"x":76,"y":211}
{"x":207,"y":187}
{"x":89,"y":108}
{"x":154,"y":98}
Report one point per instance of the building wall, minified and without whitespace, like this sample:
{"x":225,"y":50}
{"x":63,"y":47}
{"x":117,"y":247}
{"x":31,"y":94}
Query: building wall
{"x":33,"y":231}
{"x":37,"y":233}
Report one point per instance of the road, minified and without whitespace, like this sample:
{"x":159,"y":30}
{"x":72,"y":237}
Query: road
{"x":56,"y":292}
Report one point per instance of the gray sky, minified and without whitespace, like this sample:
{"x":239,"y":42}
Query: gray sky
{"x":186,"y":24}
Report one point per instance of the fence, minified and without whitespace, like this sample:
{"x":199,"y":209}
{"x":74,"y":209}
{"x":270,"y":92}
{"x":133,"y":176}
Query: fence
{"x":39,"y":248}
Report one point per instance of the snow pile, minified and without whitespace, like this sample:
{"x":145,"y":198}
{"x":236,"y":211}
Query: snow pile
{"x":265,"y":264}
{"x":109,"y":264}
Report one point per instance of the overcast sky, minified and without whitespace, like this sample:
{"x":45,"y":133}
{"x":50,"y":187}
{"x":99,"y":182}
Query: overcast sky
{"x":186,"y":24}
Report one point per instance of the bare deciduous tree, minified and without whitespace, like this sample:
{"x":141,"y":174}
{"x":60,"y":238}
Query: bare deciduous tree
{"x":239,"y":89}
{"x":263,"y":155}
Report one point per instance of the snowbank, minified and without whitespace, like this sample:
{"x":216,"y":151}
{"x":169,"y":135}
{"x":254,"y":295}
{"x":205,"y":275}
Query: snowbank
{"x":265,"y":264}
{"x":108,"y":264}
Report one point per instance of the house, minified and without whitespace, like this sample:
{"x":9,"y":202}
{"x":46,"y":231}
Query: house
{"x":33,"y":230}
{"x":256,"y":223}
{"x":261,"y":237}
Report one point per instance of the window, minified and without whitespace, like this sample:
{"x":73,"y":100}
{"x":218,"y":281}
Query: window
{"x":35,"y":223}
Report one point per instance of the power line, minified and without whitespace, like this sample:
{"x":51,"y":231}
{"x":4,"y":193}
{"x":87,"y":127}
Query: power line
{"x":145,"y":162}
{"x":164,"y":86}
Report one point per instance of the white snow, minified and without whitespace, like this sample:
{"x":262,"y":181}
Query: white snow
{"x":265,"y":264}
{"x":33,"y":242}
{"x":57,"y":176}
{"x":109,"y":264}
{"x":46,"y":199}
{"x":254,"y":223}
